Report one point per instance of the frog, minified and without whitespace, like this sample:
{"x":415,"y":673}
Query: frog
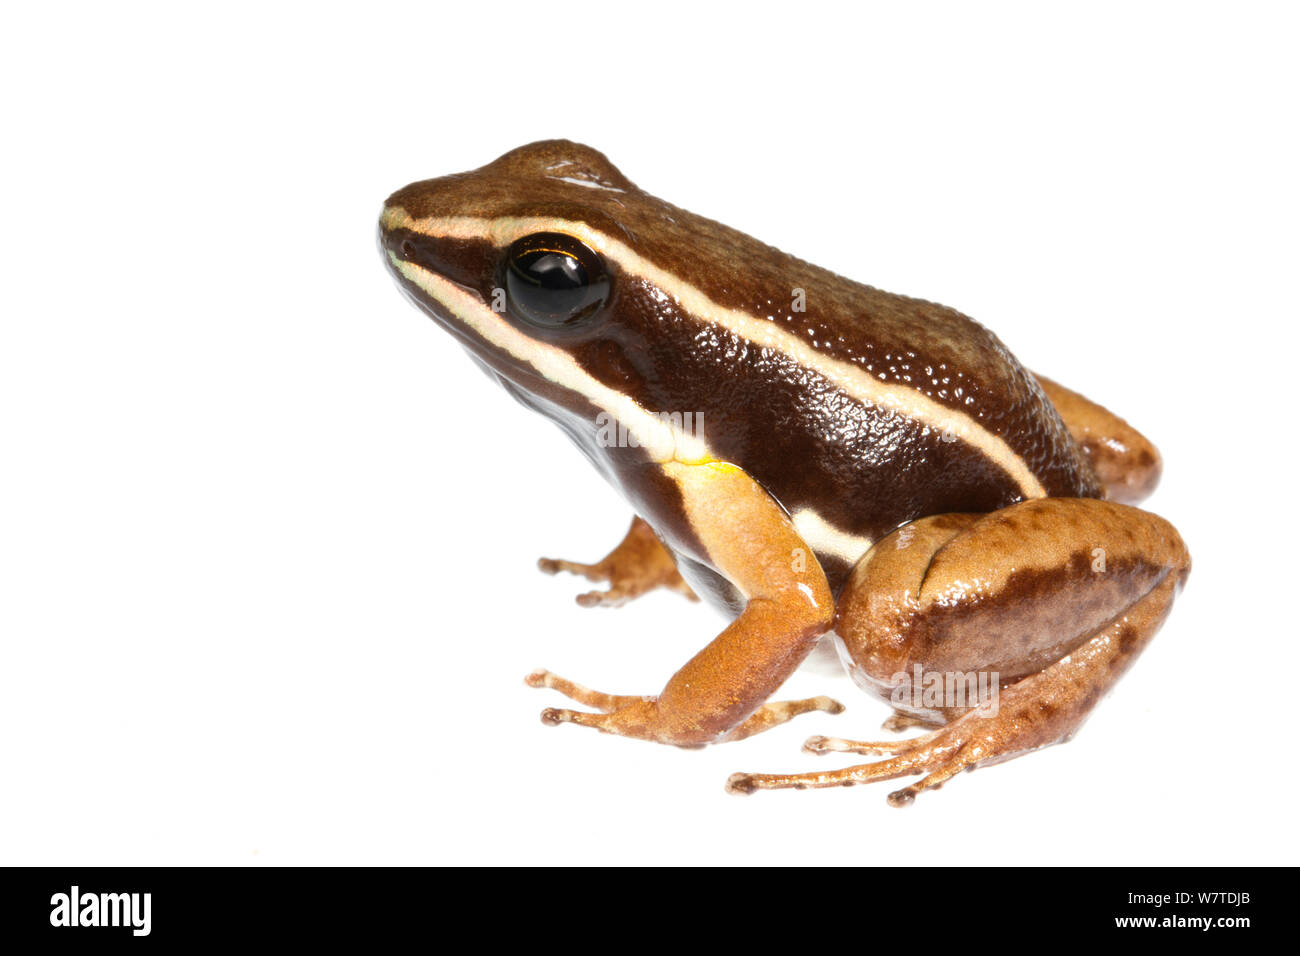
{"x":819,"y":459}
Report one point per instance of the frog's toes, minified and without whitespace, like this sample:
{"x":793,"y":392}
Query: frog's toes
{"x":592,"y":572}
{"x":940,"y":755}
{"x":625,"y":583}
{"x":639,"y":564}
{"x":899,"y":722}
{"x":741,"y":783}
{"x":778,"y":712}
{"x":554,"y":716}
{"x":543,"y":678}
{"x":935,"y":781}
{"x":615,"y":596}
{"x":874,"y":748}
{"x":618,"y":593}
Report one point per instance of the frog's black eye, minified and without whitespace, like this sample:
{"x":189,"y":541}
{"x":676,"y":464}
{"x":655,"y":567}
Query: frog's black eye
{"x":554,"y":281}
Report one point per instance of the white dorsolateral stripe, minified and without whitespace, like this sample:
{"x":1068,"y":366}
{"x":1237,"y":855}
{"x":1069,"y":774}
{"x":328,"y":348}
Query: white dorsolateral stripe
{"x":658,"y":437}
{"x":900,"y":399}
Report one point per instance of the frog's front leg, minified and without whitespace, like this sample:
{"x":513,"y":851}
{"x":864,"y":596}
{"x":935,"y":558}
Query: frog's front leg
{"x":1049,"y":601}
{"x":637,"y":566}
{"x":720,"y":693}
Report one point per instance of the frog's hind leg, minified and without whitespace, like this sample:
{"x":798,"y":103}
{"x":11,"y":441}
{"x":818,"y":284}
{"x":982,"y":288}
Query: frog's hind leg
{"x":1037,"y":711}
{"x":1127,"y":464}
{"x":639,"y":564}
{"x":1066,"y":594}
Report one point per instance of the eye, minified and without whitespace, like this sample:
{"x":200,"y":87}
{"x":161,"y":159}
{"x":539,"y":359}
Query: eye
{"x":554,"y":281}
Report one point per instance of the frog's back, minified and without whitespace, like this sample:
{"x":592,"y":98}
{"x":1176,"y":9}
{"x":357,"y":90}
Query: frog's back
{"x":866,"y":410}
{"x":855,"y":408}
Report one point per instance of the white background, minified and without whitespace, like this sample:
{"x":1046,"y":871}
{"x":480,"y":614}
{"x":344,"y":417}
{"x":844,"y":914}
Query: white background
{"x":267,"y":581}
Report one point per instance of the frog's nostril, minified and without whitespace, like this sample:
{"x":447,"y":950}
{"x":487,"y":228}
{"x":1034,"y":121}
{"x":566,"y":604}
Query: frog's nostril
{"x":406,"y":249}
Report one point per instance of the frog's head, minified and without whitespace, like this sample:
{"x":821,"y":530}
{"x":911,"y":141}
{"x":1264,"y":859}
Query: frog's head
{"x":577,"y":290}
{"x":510,"y":257}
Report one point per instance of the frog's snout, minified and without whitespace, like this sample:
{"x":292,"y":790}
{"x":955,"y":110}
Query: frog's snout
{"x":401,"y":243}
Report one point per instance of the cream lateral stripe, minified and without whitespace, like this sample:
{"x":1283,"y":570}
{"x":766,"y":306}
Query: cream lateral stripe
{"x":861,"y":385}
{"x":660,"y":438}
{"x":657,"y":436}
